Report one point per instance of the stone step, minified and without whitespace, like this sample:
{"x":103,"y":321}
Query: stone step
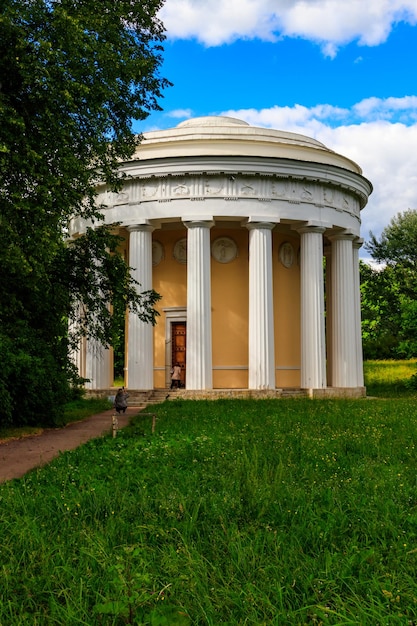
{"x":138,"y":397}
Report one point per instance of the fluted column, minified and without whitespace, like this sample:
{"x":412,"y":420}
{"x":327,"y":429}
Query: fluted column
{"x":358,"y":325}
{"x":199,"y":338}
{"x":140,"y":362}
{"x":313,"y":340}
{"x":98,"y":365}
{"x":344,"y":343}
{"x":78,"y":351}
{"x":328,"y":312}
{"x":261,"y":311}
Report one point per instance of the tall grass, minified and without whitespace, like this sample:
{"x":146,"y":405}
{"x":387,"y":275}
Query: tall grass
{"x":234,"y":513}
{"x":389,"y":377}
{"x":73,"y":411}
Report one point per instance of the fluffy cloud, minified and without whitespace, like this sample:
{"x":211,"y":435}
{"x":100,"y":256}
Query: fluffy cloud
{"x":330,"y":23}
{"x":386,"y":150}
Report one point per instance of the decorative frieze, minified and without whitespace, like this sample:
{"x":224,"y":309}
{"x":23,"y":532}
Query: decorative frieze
{"x":233,"y":188}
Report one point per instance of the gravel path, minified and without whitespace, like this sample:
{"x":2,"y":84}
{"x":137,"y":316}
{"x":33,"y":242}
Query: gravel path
{"x":19,"y":456}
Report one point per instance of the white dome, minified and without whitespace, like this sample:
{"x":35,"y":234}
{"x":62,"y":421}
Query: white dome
{"x":211,"y":120}
{"x":227,"y":136}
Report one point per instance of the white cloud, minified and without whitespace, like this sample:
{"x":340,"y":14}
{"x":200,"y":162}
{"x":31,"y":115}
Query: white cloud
{"x":330,"y":23}
{"x":385,"y":150}
{"x":401,"y":109}
{"x":180,"y":113}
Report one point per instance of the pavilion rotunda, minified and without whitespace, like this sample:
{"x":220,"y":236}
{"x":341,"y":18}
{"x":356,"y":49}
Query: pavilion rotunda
{"x":251,"y":236}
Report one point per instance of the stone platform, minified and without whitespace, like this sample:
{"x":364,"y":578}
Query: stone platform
{"x":154,"y":396}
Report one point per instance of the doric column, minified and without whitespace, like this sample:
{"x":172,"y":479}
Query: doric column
{"x":98,"y":365}
{"x":140,"y":334}
{"x":357,"y":243}
{"x":313,"y":340}
{"x":261,"y":311}
{"x":199,"y":344}
{"x":344,"y":344}
{"x":328,"y":313}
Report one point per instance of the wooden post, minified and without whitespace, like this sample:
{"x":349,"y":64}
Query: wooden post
{"x":114,"y":424}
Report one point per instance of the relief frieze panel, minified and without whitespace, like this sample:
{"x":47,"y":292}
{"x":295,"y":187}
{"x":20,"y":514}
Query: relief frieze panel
{"x":214,"y":186}
{"x":233,"y":187}
{"x":149,"y":191}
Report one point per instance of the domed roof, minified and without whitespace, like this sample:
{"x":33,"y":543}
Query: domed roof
{"x":211,"y":120}
{"x":228,"y":136}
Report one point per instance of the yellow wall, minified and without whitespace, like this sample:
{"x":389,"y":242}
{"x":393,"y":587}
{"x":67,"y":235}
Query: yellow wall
{"x":286,"y":285}
{"x":230,"y":305}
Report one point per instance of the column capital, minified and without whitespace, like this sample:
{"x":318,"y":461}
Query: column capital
{"x":344,"y":235}
{"x":311,"y":228}
{"x":261,"y":224}
{"x":198,"y":222}
{"x":357,"y":243}
{"x":145,"y":227}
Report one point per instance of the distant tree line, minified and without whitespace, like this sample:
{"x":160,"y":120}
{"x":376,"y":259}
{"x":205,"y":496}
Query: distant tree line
{"x":389,"y":291}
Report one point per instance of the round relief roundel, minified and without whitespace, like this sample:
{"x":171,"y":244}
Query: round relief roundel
{"x":224,"y":249}
{"x":286,"y":254}
{"x":180,"y":250}
{"x":157,"y":252}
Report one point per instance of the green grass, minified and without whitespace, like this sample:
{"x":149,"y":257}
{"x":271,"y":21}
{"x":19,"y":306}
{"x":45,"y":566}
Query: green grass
{"x":18,"y":432}
{"x":73,"y":412}
{"x":285,"y":512}
{"x":389,"y":378}
{"x":83,"y":407}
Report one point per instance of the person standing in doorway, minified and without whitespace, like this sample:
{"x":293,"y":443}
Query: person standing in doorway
{"x":176,"y":376}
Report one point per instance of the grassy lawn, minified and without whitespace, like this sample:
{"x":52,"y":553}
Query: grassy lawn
{"x":388,"y":378}
{"x":73,"y":412}
{"x":287,"y":512}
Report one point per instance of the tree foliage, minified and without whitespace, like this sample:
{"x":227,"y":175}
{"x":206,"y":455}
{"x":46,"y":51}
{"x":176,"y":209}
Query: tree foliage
{"x":398,"y":242}
{"x":389,"y":291}
{"x":73,"y":76}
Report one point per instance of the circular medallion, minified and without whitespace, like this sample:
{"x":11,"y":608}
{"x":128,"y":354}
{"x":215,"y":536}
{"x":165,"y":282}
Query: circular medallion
{"x":286,"y":254}
{"x":157,"y":252}
{"x":180,"y":250}
{"x":224,"y":249}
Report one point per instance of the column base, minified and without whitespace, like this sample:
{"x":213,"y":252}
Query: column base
{"x":337,"y":392}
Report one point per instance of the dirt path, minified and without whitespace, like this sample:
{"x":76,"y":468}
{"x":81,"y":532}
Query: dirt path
{"x":21,"y":455}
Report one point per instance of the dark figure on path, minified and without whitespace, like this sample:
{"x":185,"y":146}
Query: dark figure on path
{"x":120,"y":401}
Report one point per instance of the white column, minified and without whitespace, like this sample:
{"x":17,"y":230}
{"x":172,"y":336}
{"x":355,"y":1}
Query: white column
{"x":261,"y":311}
{"x":313,"y":341}
{"x":97,"y":365}
{"x":140,"y":363}
{"x":199,"y":344}
{"x":328,"y":314}
{"x":344,"y":344}
{"x":77,"y":353}
{"x":358,"y":325}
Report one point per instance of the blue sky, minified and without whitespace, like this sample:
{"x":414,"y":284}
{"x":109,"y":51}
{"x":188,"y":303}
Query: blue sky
{"x":342,"y":71}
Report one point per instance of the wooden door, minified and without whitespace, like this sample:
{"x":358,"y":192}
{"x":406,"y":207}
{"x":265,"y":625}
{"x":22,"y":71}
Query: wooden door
{"x":179,"y":342}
